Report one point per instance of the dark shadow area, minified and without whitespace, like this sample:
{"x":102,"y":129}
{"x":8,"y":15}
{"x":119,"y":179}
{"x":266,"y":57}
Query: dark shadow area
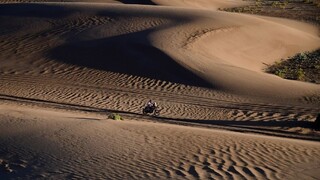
{"x":128,"y":54}
{"x":131,"y":54}
{"x":35,"y":10}
{"x":287,"y":124}
{"x":144,"y":2}
{"x":63,"y":10}
{"x":247,"y":126}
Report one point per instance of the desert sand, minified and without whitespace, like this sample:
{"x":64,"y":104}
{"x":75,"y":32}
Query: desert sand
{"x":65,"y":66}
{"x":47,"y":144}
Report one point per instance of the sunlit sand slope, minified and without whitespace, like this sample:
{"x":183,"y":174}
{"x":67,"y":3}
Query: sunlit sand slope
{"x":56,"y":144}
{"x":211,"y":49}
{"x":65,"y":66}
{"x":197,"y":64}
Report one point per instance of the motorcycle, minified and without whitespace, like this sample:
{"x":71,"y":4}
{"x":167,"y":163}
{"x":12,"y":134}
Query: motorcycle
{"x":155,"y":111}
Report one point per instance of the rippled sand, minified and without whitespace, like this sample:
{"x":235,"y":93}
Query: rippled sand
{"x":65,"y":66}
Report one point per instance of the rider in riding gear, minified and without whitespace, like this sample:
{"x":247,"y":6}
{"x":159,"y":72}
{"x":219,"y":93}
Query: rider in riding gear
{"x":151,"y":107}
{"x":149,"y":103}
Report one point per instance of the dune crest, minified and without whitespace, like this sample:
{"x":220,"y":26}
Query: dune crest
{"x":213,"y":49}
{"x":202,"y":4}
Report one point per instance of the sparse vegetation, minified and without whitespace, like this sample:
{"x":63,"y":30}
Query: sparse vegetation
{"x":115,"y":116}
{"x":302,"y":67}
{"x":304,"y":10}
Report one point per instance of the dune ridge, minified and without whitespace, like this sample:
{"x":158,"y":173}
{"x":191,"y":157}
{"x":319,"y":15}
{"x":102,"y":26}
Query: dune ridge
{"x":65,"y":66}
{"x":106,"y":56}
{"x":208,"y":58}
{"x":202,"y":4}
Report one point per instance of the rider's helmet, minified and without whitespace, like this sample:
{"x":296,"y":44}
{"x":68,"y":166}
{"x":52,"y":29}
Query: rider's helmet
{"x":150,"y":103}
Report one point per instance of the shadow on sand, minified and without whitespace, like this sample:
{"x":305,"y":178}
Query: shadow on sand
{"x":128,"y":54}
{"x":145,"y":2}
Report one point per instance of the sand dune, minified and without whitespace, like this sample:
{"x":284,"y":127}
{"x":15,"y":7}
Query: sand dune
{"x":210,"y":50}
{"x":203,"y":4}
{"x":198,"y":64}
{"x":64,"y":66}
{"x":58,"y":144}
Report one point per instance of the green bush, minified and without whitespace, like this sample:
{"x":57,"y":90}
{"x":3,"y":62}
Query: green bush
{"x":280,"y":73}
{"x":115,"y":116}
{"x":300,"y":74}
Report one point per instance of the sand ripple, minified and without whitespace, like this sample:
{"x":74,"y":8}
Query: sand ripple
{"x":81,"y":146}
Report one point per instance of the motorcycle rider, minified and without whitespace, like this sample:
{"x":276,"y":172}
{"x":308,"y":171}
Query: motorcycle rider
{"x":151,"y":105}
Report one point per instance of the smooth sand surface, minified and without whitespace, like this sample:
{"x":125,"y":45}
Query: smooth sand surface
{"x":83,"y":60}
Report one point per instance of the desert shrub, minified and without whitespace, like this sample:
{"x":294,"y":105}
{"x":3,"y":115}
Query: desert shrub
{"x":281,"y":73}
{"x":115,"y":116}
{"x":300,"y":74}
{"x":302,"y":67}
{"x":308,"y":9}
